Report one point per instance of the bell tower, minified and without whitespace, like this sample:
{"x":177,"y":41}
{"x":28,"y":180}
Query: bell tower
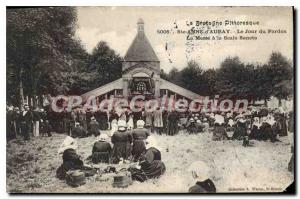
{"x":140,"y":25}
{"x":141,"y":66}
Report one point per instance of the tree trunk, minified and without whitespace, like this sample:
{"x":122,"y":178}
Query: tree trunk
{"x":279,"y":102}
{"x":266,"y":102}
{"x":21,"y":91}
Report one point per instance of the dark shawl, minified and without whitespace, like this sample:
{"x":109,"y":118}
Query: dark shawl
{"x":206,"y":186}
{"x":151,"y":166}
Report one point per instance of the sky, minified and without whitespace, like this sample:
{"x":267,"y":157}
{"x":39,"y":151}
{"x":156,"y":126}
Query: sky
{"x":117,"y":26}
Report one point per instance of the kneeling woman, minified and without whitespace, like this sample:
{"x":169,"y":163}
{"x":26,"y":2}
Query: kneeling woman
{"x":121,"y":140}
{"x":150,"y":164}
{"x":102,"y":150}
{"x":139,"y":135}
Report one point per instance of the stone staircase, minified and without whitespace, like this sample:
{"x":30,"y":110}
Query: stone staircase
{"x":117,"y":84}
{"x":164,"y":84}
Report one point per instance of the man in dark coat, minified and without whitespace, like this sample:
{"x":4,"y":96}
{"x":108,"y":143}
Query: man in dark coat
{"x":165,"y":115}
{"x":44,"y":124}
{"x":113,"y":116}
{"x":26,"y":122}
{"x":94,"y":127}
{"x":17,"y":116}
{"x":137,"y":115}
{"x":172,"y":123}
{"x":139,"y":135}
{"x":281,"y":119}
{"x":255,"y":130}
{"x":73,"y":119}
{"x":240,"y":130}
{"x":102,"y":118}
{"x":78,"y":131}
{"x":82,"y":118}
{"x":66,"y":121}
{"x":89,"y":115}
{"x":265,"y":129}
{"x":10,"y":124}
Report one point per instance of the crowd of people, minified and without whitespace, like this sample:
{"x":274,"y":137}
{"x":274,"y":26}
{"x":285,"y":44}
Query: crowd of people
{"x":256,"y":123}
{"x":128,"y":136}
{"x":28,"y":122}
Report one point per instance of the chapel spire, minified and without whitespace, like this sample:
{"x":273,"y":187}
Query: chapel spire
{"x":140,"y":25}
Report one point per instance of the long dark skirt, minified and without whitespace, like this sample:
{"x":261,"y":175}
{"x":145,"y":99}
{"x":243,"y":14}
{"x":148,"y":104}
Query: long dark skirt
{"x":255,"y":133}
{"x":138,"y":148}
{"x":121,"y":150}
{"x":26,"y":130}
{"x":101,"y":157}
{"x":283,"y":125}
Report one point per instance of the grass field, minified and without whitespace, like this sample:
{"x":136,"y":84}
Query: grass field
{"x":31,"y":167}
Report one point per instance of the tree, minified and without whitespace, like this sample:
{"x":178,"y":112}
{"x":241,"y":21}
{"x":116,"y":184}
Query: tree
{"x":229,"y":77}
{"x":279,"y":73}
{"x":163,"y":74}
{"x":261,"y":86}
{"x":191,"y":77}
{"x":209,"y":86}
{"x":105,"y":63}
{"x":39,"y":42}
{"x":174,"y":76}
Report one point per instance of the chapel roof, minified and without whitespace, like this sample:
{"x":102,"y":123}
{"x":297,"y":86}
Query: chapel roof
{"x":141,"y":49}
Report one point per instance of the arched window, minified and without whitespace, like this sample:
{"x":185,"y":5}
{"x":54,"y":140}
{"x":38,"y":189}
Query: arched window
{"x":141,"y":86}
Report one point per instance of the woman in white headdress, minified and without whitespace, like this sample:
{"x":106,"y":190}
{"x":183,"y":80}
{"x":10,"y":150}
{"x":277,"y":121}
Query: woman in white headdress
{"x":200,"y":173}
{"x":275,"y":128}
{"x":230,"y":128}
{"x":71,"y":160}
{"x":139,"y":135}
{"x":199,"y":125}
{"x":68,"y":143}
{"x":255,"y":130}
{"x":266,"y":128}
{"x":150,"y":163}
{"x":122,"y":140}
{"x":219,"y":132}
{"x":191,"y":126}
{"x":102,"y":149}
{"x":241,"y":128}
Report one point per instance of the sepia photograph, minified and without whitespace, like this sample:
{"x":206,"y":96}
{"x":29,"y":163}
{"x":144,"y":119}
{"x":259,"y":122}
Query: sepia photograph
{"x":108,"y":99}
